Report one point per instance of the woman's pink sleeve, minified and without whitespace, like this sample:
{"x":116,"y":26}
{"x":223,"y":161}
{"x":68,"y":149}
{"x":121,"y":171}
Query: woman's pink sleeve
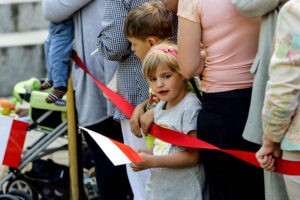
{"x":189,"y":9}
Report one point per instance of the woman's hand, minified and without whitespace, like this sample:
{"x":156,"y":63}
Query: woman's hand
{"x":267,"y":154}
{"x":135,"y":119}
{"x":203,"y":56}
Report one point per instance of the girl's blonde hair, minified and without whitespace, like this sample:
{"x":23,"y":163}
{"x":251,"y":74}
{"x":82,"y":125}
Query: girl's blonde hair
{"x":156,"y":56}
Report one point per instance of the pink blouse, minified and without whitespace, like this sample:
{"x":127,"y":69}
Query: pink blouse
{"x":231,"y":43}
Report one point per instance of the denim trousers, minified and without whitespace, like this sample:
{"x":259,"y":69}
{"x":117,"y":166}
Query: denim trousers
{"x":58,"y":46}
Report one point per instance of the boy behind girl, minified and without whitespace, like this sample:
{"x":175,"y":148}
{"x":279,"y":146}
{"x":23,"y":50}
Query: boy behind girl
{"x":145,"y":26}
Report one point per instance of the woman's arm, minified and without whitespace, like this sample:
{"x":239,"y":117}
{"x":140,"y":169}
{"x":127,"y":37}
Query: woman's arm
{"x":59,"y":10}
{"x":189,"y":40}
{"x":283,"y":88}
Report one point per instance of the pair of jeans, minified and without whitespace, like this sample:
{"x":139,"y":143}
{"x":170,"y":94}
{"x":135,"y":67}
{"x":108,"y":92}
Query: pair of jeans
{"x":58,"y":47}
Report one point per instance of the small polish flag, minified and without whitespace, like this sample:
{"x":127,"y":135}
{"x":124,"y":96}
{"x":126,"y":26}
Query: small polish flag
{"x":117,"y":152}
{"x":12,"y":137}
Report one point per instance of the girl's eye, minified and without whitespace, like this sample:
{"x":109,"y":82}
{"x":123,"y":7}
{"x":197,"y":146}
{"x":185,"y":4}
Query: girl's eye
{"x":166,"y":76}
{"x":152,"y":79}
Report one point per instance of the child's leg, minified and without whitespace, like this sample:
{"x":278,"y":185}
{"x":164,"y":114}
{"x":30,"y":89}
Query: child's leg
{"x":55,"y":94}
{"x":62,"y":35}
{"x":48,"y":83}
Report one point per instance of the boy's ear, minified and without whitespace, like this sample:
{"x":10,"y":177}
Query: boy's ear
{"x":152,"y":40}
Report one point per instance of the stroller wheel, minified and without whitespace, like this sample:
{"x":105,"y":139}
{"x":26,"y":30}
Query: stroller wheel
{"x":21,"y":185}
{"x":20,"y":195}
{"x":8,"y":197}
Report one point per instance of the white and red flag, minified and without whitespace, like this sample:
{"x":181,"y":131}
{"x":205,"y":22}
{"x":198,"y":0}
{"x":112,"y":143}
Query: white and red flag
{"x":117,"y":152}
{"x":12,"y":137}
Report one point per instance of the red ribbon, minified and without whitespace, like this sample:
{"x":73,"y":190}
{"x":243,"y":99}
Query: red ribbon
{"x":173,"y":137}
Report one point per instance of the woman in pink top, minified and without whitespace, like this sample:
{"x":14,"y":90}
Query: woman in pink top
{"x":231,"y":42}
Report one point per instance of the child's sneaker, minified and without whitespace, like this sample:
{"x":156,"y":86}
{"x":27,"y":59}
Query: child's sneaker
{"x":56,"y":94}
{"x":46,"y":85}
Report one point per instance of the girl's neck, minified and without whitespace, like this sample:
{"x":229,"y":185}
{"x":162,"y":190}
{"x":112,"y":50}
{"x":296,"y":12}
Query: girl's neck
{"x":173,"y":103}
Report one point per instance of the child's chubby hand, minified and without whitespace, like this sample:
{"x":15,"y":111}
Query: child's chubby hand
{"x":147,"y":120}
{"x":140,"y":166}
{"x":135,"y":119}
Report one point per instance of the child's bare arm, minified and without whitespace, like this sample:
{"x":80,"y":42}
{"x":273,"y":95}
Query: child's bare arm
{"x":148,"y":150}
{"x":186,"y":158}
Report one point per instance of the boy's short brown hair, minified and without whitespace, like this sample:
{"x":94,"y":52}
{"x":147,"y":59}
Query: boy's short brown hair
{"x":149,"y":19}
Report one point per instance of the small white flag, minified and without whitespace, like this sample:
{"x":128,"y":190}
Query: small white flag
{"x":117,"y":152}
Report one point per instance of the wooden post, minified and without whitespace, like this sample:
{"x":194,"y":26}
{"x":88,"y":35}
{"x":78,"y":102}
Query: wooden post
{"x":72,"y":136}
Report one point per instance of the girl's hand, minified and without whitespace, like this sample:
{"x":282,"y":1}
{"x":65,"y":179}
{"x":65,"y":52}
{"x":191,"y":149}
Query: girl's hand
{"x":135,"y":119}
{"x":140,"y":166}
{"x":267,"y":154}
{"x":147,"y":120}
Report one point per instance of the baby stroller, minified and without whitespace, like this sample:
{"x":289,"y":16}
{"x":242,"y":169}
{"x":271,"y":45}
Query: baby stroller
{"x":51,"y":121}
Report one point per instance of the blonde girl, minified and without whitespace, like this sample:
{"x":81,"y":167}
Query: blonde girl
{"x":175,"y":172}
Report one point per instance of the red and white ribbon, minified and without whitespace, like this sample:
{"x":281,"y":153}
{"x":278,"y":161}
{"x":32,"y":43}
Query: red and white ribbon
{"x":176,"y":138}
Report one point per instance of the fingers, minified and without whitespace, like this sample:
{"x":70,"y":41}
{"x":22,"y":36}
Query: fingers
{"x":267,"y":162}
{"x":277,"y":153}
{"x":147,"y":121}
{"x":135,"y":167}
{"x":202,"y":46}
{"x":145,"y":128}
{"x":145,"y":133}
{"x":139,"y":150}
{"x":203,"y":54}
{"x":135,"y":126}
{"x":135,"y":120}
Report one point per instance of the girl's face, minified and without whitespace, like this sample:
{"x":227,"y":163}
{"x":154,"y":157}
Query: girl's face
{"x":168,"y":86}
